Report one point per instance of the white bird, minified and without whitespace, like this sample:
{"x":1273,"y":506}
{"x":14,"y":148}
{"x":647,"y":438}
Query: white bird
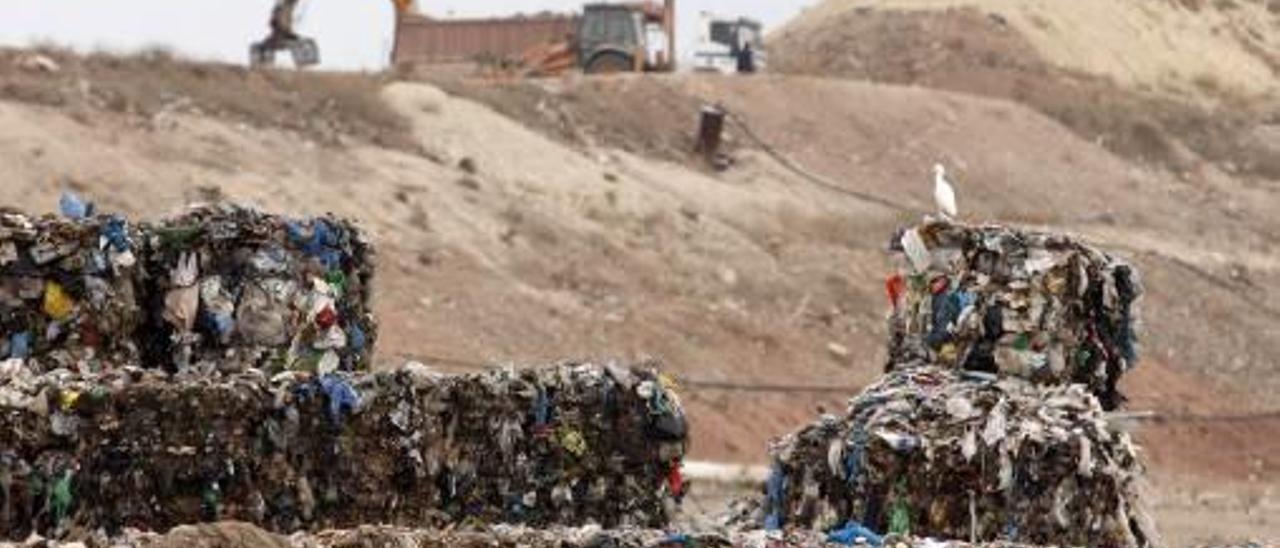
{"x":944,"y":195}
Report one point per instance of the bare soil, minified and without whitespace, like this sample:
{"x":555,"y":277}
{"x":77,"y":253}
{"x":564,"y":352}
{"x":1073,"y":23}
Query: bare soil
{"x":974,"y":51}
{"x":324,"y":107}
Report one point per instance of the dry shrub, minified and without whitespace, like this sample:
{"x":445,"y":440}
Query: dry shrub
{"x":326,"y":106}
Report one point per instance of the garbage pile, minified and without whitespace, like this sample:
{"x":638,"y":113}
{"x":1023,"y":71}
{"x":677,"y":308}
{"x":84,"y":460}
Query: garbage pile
{"x":133,"y":447}
{"x":68,"y":289}
{"x":991,"y":298}
{"x":932,"y":451}
{"x":232,"y":287}
{"x":498,"y":535}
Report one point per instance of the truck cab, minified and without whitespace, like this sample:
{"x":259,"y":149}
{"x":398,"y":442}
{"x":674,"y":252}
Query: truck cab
{"x":723,"y":41}
{"x":622,"y":38}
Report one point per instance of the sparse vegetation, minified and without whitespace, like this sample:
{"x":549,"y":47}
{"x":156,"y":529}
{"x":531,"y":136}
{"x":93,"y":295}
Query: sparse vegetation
{"x":328,"y":107}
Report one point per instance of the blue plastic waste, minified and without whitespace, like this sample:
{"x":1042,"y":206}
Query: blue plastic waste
{"x":73,"y":207}
{"x":322,"y":244}
{"x":542,"y":408}
{"x":356,"y":338}
{"x":680,"y":539}
{"x":20,"y":345}
{"x":222,"y":323}
{"x":851,"y":532}
{"x":116,"y":233}
{"x":853,"y":457}
{"x":775,"y":494}
{"x":343,"y":398}
{"x":946,"y":310}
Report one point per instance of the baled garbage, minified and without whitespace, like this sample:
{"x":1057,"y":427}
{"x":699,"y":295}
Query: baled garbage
{"x":1041,"y":306}
{"x":935,"y":452}
{"x":589,"y":536}
{"x":567,"y":445}
{"x":68,"y":288}
{"x":233,"y":287}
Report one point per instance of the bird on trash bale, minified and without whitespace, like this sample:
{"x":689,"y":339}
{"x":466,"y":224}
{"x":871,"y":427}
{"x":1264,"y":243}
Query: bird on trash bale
{"x":944,"y":194}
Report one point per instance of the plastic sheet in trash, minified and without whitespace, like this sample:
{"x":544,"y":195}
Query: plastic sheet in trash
{"x":1042,"y":306}
{"x":68,"y":290}
{"x":927,"y":452}
{"x":234,"y":287}
{"x":567,"y":445}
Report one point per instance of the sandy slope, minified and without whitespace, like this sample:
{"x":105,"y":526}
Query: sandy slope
{"x":1175,"y":45}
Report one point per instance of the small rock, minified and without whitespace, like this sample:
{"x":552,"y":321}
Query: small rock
{"x":36,"y":62}
{"x":838,"y":350}
{"x":468,"y":165}
{"x":729,"y":276}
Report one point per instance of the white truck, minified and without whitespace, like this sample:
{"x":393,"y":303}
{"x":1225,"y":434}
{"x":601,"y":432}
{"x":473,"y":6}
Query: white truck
{"x":727,"y":44}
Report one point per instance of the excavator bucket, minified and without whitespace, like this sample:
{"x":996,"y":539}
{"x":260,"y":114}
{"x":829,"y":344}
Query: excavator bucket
{"x":305,"y":52}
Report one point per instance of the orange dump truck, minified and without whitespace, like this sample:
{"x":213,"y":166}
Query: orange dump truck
{"x":605,"y":37}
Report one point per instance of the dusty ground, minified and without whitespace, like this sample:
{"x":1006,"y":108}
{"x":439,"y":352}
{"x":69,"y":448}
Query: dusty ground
{"x":1191,"y":126}
{"x":1177,"y":46}
{"x":568,"y":228}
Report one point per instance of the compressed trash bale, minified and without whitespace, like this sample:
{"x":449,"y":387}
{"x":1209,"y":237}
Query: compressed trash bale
{"x":234,"y":287}
{"x":488,"y":537}
{"x":68,"y":290}
{"x":931,"y":451}
{"x":1041,"y":306}
{"x":570,"y":445}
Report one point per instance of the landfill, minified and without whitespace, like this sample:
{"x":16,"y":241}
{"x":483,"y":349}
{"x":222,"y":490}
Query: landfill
{"x":933,"y":451}
{"x":992,"y":298}
{"x":589,"y":536}
{"x":232,"y":287}
{"x":68,"y":288}
{"x":132,"y":447}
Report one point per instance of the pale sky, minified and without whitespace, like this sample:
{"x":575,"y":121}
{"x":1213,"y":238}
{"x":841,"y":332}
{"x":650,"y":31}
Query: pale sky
{"x":352,"y":33}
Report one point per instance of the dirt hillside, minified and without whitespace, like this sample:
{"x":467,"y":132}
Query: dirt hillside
{"x":1189,"y":87}
{"x":1179,"y":46}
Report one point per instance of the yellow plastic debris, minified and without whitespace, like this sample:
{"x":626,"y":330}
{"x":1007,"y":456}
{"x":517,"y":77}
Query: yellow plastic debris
{"x":668,"y":382}
{"x":68,"y":399}
{"x":948,"y":353}
{"x":57,"y":304}
{"x":573,"y":442}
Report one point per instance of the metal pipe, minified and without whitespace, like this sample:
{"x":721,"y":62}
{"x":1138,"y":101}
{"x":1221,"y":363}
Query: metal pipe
{"x":669,"y":21}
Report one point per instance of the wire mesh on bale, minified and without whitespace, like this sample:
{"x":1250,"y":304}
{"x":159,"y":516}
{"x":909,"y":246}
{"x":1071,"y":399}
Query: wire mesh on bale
{"x":1041,"y":306}
{"x":930,"y":451}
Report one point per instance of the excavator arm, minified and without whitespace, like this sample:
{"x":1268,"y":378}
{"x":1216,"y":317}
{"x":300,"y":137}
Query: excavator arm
{"x":304,"y":50}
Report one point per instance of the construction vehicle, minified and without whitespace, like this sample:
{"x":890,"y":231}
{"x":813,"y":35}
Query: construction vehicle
{"x":604,"y":38}
{"x":724,"y":42}
{"x":304,"y":50}
{"x":620,"y":37}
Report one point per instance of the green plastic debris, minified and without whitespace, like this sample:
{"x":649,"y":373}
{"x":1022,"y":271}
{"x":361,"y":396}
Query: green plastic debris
{"x":338,"y":281}
{"x":900,"y":514}
{"x":60,"y":497}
